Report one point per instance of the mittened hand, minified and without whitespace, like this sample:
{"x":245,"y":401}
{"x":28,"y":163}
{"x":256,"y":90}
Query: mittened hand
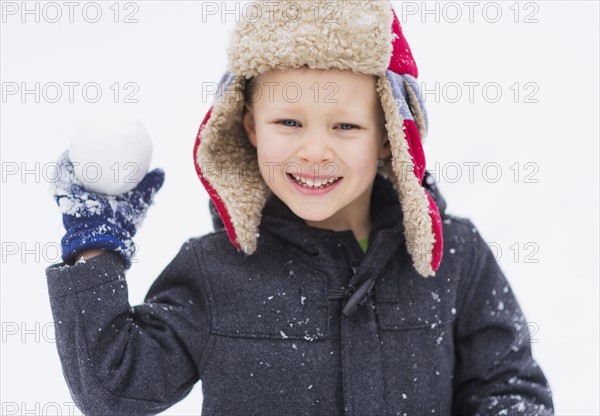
{"x":98,"y":221}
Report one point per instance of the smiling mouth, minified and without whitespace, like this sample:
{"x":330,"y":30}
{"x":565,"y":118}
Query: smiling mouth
{"x":318,"y":184}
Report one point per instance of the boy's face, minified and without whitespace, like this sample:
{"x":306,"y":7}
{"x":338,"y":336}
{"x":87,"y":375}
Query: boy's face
{"x":319,"y":134}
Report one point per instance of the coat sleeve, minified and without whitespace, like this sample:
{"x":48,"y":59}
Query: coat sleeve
{"x":495,"y":372}
{"x":124,"y":360}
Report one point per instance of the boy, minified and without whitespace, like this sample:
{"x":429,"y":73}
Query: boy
{"x":309,"y":297}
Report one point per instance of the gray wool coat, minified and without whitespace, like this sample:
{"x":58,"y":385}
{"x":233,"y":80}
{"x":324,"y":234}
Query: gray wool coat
{"x":266,"y":334}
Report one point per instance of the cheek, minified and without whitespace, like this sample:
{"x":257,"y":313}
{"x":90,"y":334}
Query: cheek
{"x":367,"y":166}
{"x":364,"y":157}
{"x":271,"y":153}
{"x":272,"y":148}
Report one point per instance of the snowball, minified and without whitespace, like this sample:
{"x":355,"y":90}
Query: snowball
{"x":111,"y":153}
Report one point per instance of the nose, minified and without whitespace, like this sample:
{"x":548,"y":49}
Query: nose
{"x":315,"y":147}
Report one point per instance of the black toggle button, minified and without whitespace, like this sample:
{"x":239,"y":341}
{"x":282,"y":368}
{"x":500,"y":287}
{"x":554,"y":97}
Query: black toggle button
{"x":358,"y":296}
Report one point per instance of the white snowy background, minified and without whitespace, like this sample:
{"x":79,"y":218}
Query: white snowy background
{"x":543,"y":222}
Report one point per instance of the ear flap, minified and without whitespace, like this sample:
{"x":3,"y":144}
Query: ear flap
{"x":422,"y":221}
{"x":226,"y":163}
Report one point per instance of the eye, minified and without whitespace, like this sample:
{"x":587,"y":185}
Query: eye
{"x":346,"y":126}
{"x":289,"y":123}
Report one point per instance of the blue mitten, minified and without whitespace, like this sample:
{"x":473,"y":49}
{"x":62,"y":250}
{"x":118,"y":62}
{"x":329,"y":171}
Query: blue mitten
{"x":97,"y":221}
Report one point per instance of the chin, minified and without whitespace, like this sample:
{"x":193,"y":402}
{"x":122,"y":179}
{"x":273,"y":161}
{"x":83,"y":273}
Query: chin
{"x":311,"y":215}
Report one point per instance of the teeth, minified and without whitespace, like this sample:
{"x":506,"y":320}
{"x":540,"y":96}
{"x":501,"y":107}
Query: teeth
{"x":307,"y":183}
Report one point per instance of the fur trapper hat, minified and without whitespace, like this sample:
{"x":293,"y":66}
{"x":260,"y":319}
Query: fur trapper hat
{"x":361,"y":36}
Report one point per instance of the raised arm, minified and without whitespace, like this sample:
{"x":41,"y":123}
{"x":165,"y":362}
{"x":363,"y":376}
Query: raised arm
{"x":118,"y":359}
